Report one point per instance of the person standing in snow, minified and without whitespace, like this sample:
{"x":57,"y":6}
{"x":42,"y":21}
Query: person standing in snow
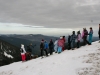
{"x":78,"y":39}
{"x":29,"y":50}
{"x":69,"y":42}
{"x":99,"y":33}
{"x":90,"y":35}
{"x":42,"y":48}
{"x":51,"y":47}
{"x":64,"y":43}
{"x":56,"y":46}
{"x":23,"y":52}
{"x":83,"y":33}
{"x":60,"y":44}
{"x":46,"y":47}
{"x":85,"y":37}
{"x":73,"y":38}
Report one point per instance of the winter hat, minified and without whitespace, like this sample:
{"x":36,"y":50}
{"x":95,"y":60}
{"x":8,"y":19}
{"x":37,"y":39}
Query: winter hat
{"x":50,"y":40}
{"x":61,"y":37}
{"x":42,"y":40}
{"x":90,"y":27}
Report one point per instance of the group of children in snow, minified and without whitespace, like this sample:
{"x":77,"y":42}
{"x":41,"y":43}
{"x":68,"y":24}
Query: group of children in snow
{"x":59,"y":45}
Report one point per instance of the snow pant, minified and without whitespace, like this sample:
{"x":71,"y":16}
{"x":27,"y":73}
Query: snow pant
{"x":69,"y":46}
{"x":85,"y":41}
{"x":59,"y":49}
{"x":46,"y":52}
{"x":78,"y":44}
{"x":23,"y":57}
{"x":55,"y":48}
{"x":73,"y":44}
{"x":63,"y":48}
{"x":51,"y":50}
{"x":90,"y":39}
{"x":41,"y":52}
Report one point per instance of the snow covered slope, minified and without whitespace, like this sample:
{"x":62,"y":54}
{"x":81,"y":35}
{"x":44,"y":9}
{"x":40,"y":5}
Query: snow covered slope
{"x":82,"y":61}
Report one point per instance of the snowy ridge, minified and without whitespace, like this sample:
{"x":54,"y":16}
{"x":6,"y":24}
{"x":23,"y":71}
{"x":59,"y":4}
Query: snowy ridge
{"x":82,"y":61}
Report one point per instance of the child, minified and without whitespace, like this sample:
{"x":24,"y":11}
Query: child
{"x":56,"y":46}
{"x":90,"y":35}
{"x":60,"y":45}
{"x":78,"y":39}
{"x":23,"y":52}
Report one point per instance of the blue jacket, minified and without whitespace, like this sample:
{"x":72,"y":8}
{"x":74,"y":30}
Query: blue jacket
{"x":90,"y":34}
{"x":46,"y":46}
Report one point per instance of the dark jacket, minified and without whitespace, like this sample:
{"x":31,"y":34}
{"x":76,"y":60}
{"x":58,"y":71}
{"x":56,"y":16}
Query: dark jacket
{"x":73,"y":37}
{"x":85,"y":33}
{"x":99,"y":32}
{"x":29,"y":49}
{"x":69,"y":39}
{"x":42,"y":46}
{"x":51,"y":45}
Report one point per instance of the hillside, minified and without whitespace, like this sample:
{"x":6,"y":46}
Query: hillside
{"x":8,"y":53}
{"x":17,"y":40}
{"x":82,"y":61}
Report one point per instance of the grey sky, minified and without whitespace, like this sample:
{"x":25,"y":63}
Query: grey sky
{"x":69,"y":14}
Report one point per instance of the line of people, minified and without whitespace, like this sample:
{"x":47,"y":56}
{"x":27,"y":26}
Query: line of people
{"x":59,"y":45}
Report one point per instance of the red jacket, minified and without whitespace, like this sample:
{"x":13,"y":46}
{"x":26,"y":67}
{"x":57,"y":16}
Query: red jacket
{"x":61,"y":43}
{"x":64,"y":40}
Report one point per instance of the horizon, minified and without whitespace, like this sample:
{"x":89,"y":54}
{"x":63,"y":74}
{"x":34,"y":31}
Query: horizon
{"x":39,"y":34}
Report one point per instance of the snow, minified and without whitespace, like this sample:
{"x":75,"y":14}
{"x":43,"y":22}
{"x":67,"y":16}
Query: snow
{"x":82,"y":61}
{"x":7,"y":55}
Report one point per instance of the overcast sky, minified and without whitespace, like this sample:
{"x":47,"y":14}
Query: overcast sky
{"x":48,"y":17}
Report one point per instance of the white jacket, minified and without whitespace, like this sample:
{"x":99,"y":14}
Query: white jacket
{"x":22,"y":47}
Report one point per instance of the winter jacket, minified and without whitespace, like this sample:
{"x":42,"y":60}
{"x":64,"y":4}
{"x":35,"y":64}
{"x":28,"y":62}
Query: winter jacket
{"x":61,"y":43}
{"x":51,"y":45}
{"x":99,"y":32}
{"x":22,"y":50}
{"x":83,"y":34}
{"x":29,"y":49}
{"x":46,"y":45}
{"x":91,"y":33}
{"x":78,"y":37}
{"x":69,"y":39}
{"x":73,"y":37}
{"x":55,"y":45}
{"x":64,"y":40}
{"x":42,"y":46}
{"x":90,"y":36}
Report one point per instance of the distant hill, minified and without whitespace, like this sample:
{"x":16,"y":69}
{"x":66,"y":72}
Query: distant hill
{"x":17,"y":40}
{"x":32,"y":37}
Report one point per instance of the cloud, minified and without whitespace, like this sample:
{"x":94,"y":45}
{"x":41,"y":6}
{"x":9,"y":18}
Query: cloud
{"x":49,"y":13}
{"x":69,"y":14}
{"x":19,"y":25}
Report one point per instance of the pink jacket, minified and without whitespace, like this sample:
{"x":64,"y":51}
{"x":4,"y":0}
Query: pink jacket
{"x":61,"y":43}
{"x":82,"y":34}
{"x":79,"y":37}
